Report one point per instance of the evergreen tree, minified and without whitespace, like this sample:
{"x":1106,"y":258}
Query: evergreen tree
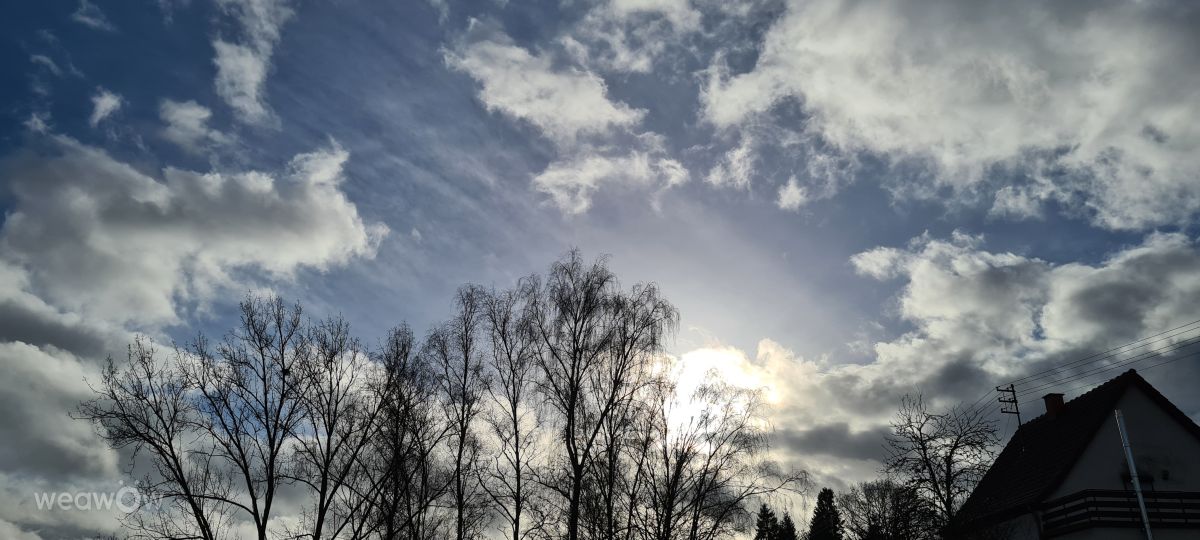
{"x":766,"y":525}
{"x":787,"y":529}
{"x":826,"y":521}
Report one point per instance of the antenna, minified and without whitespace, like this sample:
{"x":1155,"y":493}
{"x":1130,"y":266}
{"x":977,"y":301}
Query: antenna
{"x":1008,"y":405}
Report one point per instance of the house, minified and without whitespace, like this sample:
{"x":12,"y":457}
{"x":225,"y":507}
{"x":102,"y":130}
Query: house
{"x":1064,"y":474}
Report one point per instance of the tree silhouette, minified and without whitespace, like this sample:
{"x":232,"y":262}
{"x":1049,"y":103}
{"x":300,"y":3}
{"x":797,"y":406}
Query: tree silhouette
{"x":826,"y":521}
{"x":765,"y":524}
{"x":513,"y":417}
{"x":943,"y":455}
{"x":595,"y":344}
{"x":886,"y":510}
{"x":455,"y":350}
{"x":787,"y":528}
{"x":547,"y":410}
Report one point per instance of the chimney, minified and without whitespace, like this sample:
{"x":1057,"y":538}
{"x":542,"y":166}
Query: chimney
{"x":1054,"y":404}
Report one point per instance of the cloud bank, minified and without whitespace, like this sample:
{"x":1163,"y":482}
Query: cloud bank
{"x":977,"y":318}
{"x":1086,"y":104}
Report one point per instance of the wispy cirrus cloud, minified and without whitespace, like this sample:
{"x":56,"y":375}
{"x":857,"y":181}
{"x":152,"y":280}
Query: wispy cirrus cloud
{"x":243,"y":64}
{"x":90,"y":15}
{"x":571,"y":183}
{"x":792,"y":195}
{"x":631,"y":35}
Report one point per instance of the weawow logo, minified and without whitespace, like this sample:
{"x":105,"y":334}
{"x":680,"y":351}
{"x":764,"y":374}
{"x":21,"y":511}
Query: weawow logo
{"x":126,"y":499}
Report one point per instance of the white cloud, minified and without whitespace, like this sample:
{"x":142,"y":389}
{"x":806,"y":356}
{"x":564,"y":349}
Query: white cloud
{"x":261,"y":20}
{"x":630,"y":35}
{"x":879,"y":263}
{"x":571,"y":183}
{"x":1092,"y":101}
{"x":736,"y":168}
{"x":679,"y":13}
{"x":978,"y":318}
{"x":442,"y":7}
{"x":1005,"y":312}
{"x":46,"y":62}
{"x":93,"y":249}
{"x":37,"y":122}
{"x":594,"y":136}
{"x":104,"y":104}
{"x":564,"y":103}
{"x":792,"y":195}
{"x":242,"y":67}
{"x":241,"y":73}
{"x":187,"y":125}
{"x":11,"y":531}
{"x":105,"y":240}
{"x":89,"y":14}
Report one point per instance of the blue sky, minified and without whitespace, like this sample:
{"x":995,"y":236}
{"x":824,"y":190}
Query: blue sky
{"x":856,"y":199}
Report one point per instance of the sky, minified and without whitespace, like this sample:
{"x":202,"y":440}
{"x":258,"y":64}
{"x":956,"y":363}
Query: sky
{"x":848,"y":201}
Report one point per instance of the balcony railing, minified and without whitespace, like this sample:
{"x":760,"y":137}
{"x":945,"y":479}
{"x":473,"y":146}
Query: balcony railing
{"x":1116,"y":508}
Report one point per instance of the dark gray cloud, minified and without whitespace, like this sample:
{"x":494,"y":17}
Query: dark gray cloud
{"x":836,"y":439}
{"x":39,"y":390}
{"x":19,"y":322}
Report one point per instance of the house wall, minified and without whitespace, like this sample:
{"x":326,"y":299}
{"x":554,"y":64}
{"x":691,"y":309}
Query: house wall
{"x":1166,"y":454}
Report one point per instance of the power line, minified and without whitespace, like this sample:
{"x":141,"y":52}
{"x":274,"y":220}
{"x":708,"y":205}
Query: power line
{"x":1110,"y":352}
{"x":1171,"y":348}
{"x":1100,"y":356}
{"x":978,"y":401}
{"x":1095,"y":383}
{"x":981,"y":403}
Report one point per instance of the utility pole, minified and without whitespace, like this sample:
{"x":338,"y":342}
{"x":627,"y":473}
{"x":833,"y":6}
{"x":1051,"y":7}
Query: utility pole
{"x":1008,"y":405}
{"x":1133,"y":475}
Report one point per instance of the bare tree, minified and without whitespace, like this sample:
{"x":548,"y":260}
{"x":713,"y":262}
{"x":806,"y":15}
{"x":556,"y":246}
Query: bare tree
{"x":673,"y":450}
{"x":455,"y":349}
{"x":513,"y":420}
{"x":885,"y":510}
{"x":341,"y":421}
{"x":250,"y":395}
{"x":218,"y":422}
{"x":564,"y":377}
{"x":594,"y":343}
{"x":711,"y":462}
{"x":943,"y":455}
{"x":145,"y":406}
{"x":405,"y":474}
{"x":630,"y":371}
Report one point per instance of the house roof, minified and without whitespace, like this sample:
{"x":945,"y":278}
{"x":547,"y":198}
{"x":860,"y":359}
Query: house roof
{"x":1043,"y":450}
